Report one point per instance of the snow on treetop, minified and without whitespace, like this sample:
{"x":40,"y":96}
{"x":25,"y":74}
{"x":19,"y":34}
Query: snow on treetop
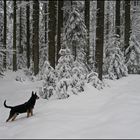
{"x":65,"y":52}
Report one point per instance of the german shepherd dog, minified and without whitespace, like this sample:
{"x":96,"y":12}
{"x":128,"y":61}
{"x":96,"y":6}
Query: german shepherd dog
{"x":23,"y":108}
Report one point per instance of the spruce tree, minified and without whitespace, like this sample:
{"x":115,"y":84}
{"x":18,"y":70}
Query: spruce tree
{"x":114,"y":62}
{"x":76,"y":32}
{"x":132,"y":54}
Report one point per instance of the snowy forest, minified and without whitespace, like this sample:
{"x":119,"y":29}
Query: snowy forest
{"x":61,"y":49}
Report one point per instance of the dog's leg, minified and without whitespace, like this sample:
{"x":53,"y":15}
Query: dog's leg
{"x":31,"y":112}
{"x":28,"y":113}
{"x":10,"y":116}
{"x":14,"y":116}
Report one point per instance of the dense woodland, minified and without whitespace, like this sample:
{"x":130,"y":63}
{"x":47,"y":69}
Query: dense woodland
{"x":69,"y":43}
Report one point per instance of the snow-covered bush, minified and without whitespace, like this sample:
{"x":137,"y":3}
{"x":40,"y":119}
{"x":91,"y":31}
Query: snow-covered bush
{"x":79,"y":72}
{"x":114,"y":62}
{"x":78,"y":80}
{"x":62,"y":88}
{"x":64,"y":73}
{"x":20,"y":78}
{"x":49,"y":81}
{"x":93,"y":79}
{"x":133,"y":56}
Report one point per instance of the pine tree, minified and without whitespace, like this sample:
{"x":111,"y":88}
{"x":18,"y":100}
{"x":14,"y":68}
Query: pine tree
{"x":100,"y":38}
{"x":14,"y":38}
{"x":52,"y":32}
{"x":135,"y":20}
{"x":107,"y":22}
{"x":1,"y":38}
{"x":9,"y":42}
{"x":1,"y":23}
{"x":87,"y":23}
{"x":45,"y":20}
{"x":114,"y":63}
{"x":118,"y":17}
{"x":92,"y":33}
{"x":127,"y":23}
{"x":122,"y":24}
{"x":60,"y":26}
{"x":75,"y":31}
{"x":20,"y":33}
{"x":5,"y":34}
{"x":79,"y":74}
{"x":92,"y":78}
{"x":28,"y":47}
{"x":49,"y":81}
{"x":64,"y":72}
{"x":35,"y":39}
{"x":132,"y":54}
{"x":20,"y":29}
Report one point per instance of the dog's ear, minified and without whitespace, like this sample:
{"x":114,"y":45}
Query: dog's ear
{"x":35,"y":93}
{"x":32,"y":93}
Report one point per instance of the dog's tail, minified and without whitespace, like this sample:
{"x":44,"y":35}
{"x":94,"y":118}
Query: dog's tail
{"x":6,"y":105}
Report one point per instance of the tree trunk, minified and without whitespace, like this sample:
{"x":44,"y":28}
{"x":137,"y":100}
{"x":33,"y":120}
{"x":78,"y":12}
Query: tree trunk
{"x":107,"y":23}
{"x":52,"y":32}
{"x":71,"y":1}
{"x":20,"y":30}
{"x":127,"y":23}
{"x":60,"y":26}
{"x":14,"y":39}
{"x":45,"y":19}
{"x":35,"y":40}
{"x":74,"y":49}
{"x":100,"y":38}
{"x":118,"y":17}
{"x":87,"y":23}
{"x":5,"y":34}
{"x":28,"y":52}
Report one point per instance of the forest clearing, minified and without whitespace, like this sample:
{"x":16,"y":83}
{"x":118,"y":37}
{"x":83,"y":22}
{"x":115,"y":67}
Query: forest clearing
{"x":110,"y":113}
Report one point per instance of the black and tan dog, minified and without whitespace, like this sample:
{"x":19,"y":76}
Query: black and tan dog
{"x":23,"y":108}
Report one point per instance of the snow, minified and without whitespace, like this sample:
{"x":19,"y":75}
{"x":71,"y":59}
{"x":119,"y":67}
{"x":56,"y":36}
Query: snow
{"x":109,"y":113}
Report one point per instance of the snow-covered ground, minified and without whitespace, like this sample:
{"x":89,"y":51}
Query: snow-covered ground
{"x":113,"y":112}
